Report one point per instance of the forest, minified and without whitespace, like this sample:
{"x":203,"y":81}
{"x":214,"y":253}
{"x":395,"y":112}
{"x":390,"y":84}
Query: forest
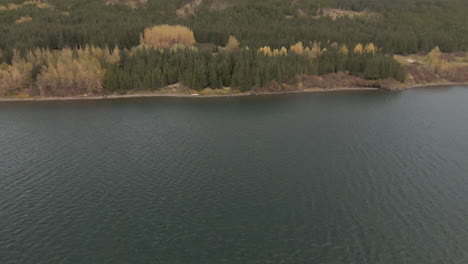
{"x":73,"y":47}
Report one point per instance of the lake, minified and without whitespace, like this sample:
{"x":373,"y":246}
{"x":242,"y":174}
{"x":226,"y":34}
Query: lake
{"x":346,"y":177}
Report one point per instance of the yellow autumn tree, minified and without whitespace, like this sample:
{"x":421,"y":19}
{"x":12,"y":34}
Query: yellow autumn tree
{"x":307,"y":52}
{"x":11,"y":80}
{"x":433,"y":55}
{"x":358,"y":49}
{"x":283,"y":51}
{"x":260,"y":50}
{"x":17,"y":77}
{"x":165,"y":36}
{"x":315,"y":51}
{"x":112,"y":57}
{"x":266,"y":50}
{"x":371,"y":48}
{"x":297,"y":48}
{"x":232,"y":43}
{"x":437,"y":64}
{"x":344,"y":50}
{"x":68,"y":75}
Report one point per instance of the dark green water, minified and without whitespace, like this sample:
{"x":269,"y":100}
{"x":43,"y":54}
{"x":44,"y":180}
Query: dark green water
{"x":358,"y":177}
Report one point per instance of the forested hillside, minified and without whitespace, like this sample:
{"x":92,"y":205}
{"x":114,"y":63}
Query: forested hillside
{"x":271,"y":40}
{"x":399,"y":26}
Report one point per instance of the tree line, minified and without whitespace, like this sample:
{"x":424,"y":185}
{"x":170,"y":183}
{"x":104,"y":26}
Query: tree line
{"x":165,"y":57}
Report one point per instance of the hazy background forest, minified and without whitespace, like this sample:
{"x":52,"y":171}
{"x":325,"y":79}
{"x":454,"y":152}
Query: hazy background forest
{"x":231,"y":43}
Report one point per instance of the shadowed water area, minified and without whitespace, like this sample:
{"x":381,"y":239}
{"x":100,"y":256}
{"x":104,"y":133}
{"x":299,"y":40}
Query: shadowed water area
{"x":349,"y":177}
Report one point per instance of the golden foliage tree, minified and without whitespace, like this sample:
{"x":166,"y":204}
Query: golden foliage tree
{"x":68,"y":75}
{"x":232,"y":44}
{"x":112,"y":57}
{"x":307,"y":52}
{"x":15,"y":78}
{"x":344,"y":50}
{"x":358,"y":49}
{"x":437,"y":64}
{"x":283,"y":51}
{"x":315,"y":51}
{"x":266,"y":51}
{"x":371,"y":48}
{"x":64,"y":72}
{"x":434,"y":55}
{"x":11,"y":80}
{"x":165,"y":36}
{"x":297,"y":48}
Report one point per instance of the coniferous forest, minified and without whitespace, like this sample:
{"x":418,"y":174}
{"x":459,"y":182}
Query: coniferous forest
{"x":74,"y":47}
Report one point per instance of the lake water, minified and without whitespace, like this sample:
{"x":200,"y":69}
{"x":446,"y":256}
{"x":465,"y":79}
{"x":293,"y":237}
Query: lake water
{"x":348,"y":177}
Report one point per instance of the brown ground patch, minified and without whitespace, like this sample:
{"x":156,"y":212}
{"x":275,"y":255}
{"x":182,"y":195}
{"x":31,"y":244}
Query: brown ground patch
{"x":131,"y":3}
{"x":188,"y":9}
{"x":420,"y":71}
{"x":335,"y":13}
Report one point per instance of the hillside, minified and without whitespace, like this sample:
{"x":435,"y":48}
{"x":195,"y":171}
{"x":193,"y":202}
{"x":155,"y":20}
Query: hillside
{"x":396,"y":26}
{"x":72,"y":47}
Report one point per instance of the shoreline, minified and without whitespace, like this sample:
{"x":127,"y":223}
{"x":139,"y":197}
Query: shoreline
{"x":162,"y":95}
{"x":433,"y":85}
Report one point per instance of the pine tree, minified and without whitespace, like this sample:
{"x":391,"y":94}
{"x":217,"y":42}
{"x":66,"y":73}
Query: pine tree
{"x":112,"y":81}
{"x":372,"y":69}
{"x":258,"y":79}
{"x":213,"y":77}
